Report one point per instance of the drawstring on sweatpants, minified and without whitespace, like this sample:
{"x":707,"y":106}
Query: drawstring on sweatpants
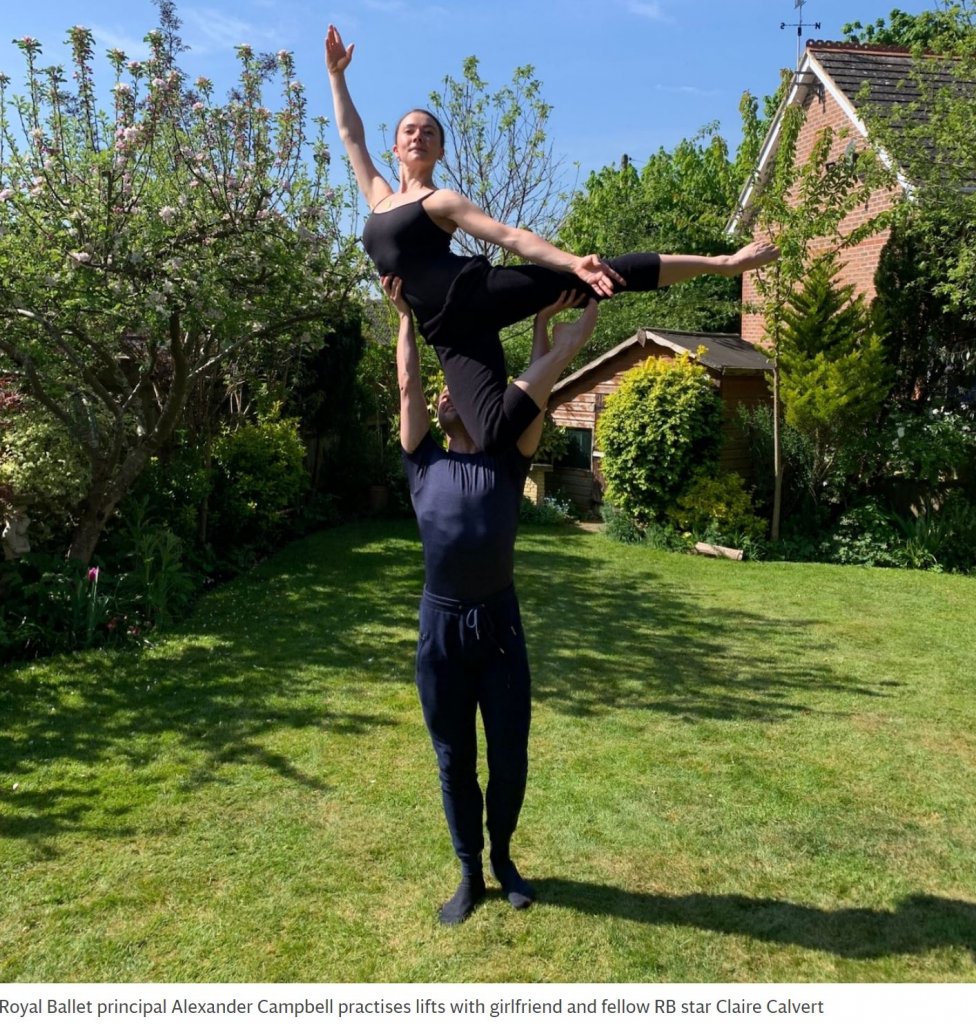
{"x":478,"y":617}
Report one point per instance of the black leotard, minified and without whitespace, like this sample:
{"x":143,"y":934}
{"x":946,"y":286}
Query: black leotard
{"x":462,"y":302}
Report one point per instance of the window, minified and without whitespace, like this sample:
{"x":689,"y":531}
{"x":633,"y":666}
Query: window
{"x":579,"y":450}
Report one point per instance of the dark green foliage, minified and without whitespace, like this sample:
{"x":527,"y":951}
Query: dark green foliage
{"x":678,"y":202}
{"x":620,"y":526}
{"x":927,"y":341}
{"x":49,"y":605}
{"x":656,"y":430}
{"x":797,"y":455}
{"x":259,"y":476}
{"x":555,"y":509}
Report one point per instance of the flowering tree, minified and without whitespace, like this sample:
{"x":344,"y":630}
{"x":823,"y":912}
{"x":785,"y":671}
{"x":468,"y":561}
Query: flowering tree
{"x":145,"y":248}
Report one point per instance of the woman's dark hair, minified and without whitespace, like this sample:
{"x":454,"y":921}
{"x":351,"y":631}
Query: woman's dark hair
{"x":420,"y":110}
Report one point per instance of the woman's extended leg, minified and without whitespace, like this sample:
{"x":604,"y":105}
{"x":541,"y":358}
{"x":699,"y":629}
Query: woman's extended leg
{"x":472,"y":356}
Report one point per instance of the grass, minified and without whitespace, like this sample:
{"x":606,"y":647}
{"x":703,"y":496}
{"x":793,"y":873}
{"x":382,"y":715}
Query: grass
{"x":739,"y":772}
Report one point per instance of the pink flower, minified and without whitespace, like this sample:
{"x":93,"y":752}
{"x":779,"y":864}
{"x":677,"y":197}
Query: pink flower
{"x":93,"y":574}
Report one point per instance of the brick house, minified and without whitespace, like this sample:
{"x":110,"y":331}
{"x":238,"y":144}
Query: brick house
{"x":737,"y":369}
{"x":832,"y":84}
{"x":832,"y":81}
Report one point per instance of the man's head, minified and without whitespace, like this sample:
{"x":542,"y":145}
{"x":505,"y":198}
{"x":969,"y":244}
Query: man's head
{"x":450,"y":422}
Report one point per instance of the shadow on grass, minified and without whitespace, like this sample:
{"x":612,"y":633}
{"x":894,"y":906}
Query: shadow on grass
{"x":287,"y":647}
{"x":622,"y":637}
{"x":918,"y":924}
{"x":303,"y":642}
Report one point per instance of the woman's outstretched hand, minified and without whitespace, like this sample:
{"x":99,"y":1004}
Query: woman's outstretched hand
{"x":601,"y":278}
{"x":337,"y":55}
{"x":752,"y":256}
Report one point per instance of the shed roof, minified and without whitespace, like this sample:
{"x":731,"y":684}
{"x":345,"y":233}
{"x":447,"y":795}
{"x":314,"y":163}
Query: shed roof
{"x":724,"y":354}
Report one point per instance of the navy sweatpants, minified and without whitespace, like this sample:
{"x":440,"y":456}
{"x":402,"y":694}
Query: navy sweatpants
{"x":472,"y":656}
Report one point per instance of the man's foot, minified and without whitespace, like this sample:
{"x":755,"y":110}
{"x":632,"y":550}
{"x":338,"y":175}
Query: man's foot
{"x":520,"y":894}
{"x":569,"y":338}
{"x":469,"y":894}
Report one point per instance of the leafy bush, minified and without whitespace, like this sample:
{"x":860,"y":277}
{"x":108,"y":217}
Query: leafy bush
{"x":172,"y":489}
{"x":865,"y":535}
{"x":662,"y":424}
{"x":797,"y":455}
{"x":717,"y":508}
{"x":943,"y":537}
{"x":259,"y":475}
{"x":665,"y":537}
{"x":554,"y":510}
{"x":917,"y":458}
{"x":51,"y":605}
{"x":620,"y":526}
{"x":157,"y":587}
{"x":42,"y":472}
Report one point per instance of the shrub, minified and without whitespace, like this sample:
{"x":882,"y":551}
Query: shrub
{"x":942,"y":537}
{"x":718,"y":508}
{"x":797,"y":455}
{"x":51,"y":605}
{"x":259,"y":475}
{"x":157,"y":587}
{"x":620,"y":526}
{"x":661,"y":425}
{"x":866,"y":534}
{"x":42,"y":473}
{"x":554,"y":510}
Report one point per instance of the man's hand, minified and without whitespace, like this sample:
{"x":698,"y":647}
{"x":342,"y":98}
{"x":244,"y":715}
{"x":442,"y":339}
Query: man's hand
{"x":393,"y":287}
{"x":567,"y":300}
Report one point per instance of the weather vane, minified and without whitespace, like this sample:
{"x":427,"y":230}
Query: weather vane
{"x":799,"y":26}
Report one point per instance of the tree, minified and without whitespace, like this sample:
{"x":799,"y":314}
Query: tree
{"x":927,"y":278}
{"x":931,"y":30}
{"x":804,"y":208}
{"x":497,"y":153}
{"x":143,"y":250}
{"x":833,"y":375}
{"x":678,"y":202}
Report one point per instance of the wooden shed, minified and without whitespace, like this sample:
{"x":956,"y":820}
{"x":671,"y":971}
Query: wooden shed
{"x":737,"y":368}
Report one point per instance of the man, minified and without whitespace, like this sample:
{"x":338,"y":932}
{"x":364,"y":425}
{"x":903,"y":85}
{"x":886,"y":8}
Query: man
{"x":471,"y":651}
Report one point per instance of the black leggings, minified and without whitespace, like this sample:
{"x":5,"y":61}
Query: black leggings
{"x":494,"y":413}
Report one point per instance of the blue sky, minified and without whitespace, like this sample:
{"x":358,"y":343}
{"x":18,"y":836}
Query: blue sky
{"x":623,"y":76}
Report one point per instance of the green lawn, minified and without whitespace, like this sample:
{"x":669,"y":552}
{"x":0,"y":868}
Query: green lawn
{"x":739,"y":772}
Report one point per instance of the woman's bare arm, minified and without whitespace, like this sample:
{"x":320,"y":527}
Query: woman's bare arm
{"x":457,"y":211}
{"x":372,"y":184}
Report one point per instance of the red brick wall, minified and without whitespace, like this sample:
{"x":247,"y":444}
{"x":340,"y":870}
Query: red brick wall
{"x":859,"y":263}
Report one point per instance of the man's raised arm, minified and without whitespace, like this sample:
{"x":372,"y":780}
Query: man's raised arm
{"x":414,"y":419}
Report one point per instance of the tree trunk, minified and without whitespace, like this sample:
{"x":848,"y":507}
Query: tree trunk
{"x":107,"y":491}
{"x":777,"y":458}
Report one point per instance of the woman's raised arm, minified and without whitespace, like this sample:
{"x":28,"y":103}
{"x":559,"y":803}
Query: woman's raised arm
{"x":372,"y":184}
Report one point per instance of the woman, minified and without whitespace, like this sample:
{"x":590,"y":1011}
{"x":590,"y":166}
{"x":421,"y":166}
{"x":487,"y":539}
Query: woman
{"x":461,"y":302}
